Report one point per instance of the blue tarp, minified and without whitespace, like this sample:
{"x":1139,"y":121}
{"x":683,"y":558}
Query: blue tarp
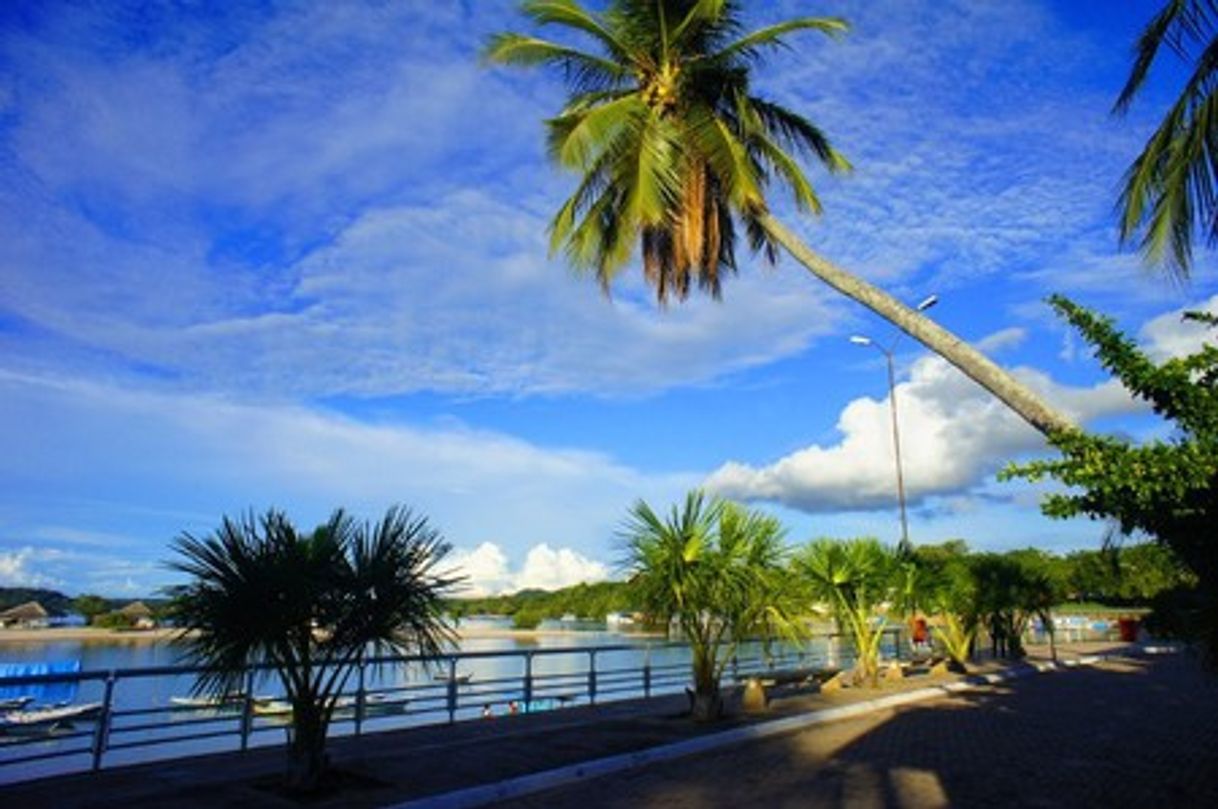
{"x":45,"y":693}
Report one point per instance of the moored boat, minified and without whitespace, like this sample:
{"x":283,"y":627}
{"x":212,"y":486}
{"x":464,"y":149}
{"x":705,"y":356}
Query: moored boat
{"x":47,"y":719}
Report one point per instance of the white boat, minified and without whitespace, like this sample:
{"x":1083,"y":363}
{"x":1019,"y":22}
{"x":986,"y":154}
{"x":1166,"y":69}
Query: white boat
{"x":14,"y":703}
{"x":272,"y":707}
{"x":44,"y":719}
{"x":378,"y":704}
{"x":462,"y":677}
{"x":227,"y":701}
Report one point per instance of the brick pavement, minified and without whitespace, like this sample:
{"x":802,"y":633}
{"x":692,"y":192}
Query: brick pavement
{"x":1132,"y":732}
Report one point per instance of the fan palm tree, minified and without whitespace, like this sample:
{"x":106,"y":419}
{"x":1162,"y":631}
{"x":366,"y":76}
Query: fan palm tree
{"x":307,"y":606}
{"x":716,"y":573}
{"x":956,"y":602}
{"x":1170,"y":188}
{"x":854,"y":577}
{"x":676,"y":153}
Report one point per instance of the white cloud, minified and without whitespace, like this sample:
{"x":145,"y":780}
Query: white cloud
{"x":1002,"y":340}
{"x":551,"y":568}
{"x":452,"y":297}
{"x":953,"y":435}
{"x":1170,"y":335}
{"x":131,"y":452}
{"x":19,"y":568}
{"x":488,"y":572}
{"x":964,"y":168}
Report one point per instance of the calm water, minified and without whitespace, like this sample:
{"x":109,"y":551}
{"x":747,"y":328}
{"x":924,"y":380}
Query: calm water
{"x":146,"y":700}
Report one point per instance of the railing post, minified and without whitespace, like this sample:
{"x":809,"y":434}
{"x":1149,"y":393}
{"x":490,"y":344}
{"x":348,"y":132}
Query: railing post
{"x":360,"y":696}
{"x":452,"y":690}
{"x":247,"y":711}
{"x":528,"y":679}
{"x":592,"y":676}
{"x":647,"y":672}
{"x":101,"y":734}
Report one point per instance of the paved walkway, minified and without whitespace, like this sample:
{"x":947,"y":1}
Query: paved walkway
{"x":1125,"y":733}
{"x":1131,"y":732}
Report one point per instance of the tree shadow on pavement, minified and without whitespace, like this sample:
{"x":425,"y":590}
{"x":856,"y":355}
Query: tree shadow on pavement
{"x":1137,"y":733}
{"x":1127,"y":733}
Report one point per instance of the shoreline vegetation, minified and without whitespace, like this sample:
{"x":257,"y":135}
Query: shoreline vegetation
{"x":99,"y":634}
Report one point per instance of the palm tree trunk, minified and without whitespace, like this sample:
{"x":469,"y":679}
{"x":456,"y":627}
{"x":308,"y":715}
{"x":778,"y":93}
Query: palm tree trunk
{"x":707,"y":704}
{"x":307,"y":760}
{"x":1027,"y":404}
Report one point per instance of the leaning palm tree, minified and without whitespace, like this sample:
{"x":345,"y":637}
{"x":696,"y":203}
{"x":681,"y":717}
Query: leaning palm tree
{"x":715,"y":573}
{"x":308,"y":607}
{"x":854,"y":578}
{"x":676,"y":153}
{"x":1170,"y":188}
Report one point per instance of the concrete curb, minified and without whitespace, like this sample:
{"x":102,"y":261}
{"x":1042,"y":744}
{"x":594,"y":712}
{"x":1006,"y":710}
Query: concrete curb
{"x":562,"y":776}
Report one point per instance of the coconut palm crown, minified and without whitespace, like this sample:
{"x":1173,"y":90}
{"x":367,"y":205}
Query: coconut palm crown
{"x":673,"y":147}
{"x":675,"y":153}
{"x":1170,"y":188}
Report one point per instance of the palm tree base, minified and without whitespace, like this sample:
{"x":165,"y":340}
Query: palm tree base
{"x":705,"y":705}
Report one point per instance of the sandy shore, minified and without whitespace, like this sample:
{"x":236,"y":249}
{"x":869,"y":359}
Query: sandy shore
{"x":86,"y":634}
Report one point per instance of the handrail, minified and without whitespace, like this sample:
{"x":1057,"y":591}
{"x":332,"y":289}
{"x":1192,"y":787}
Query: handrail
{"x":158,"y":730}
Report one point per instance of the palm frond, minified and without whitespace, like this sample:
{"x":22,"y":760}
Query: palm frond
{"x":772,"y":36}
{"x":570,"y":14}
{"x":577,"y":139}
{"x":1170,"y":187}
{"x":701,"y":12}
{"x":655,"y":183}
{"x":794,"y":131}
{"x":583,"y":70}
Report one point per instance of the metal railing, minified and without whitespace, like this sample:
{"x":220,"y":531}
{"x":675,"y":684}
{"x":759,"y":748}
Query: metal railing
{"x":135,"y":722}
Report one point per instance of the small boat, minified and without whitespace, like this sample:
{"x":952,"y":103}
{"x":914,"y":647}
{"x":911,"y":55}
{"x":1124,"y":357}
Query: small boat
{"x":15,"y":703}
{"x":226,"y":701}
{"x":462,"y":677}
{"x":272,"y":707}
{"x":374,"y":704}
{"x":46,"y":719}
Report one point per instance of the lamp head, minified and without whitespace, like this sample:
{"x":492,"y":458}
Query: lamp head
{"x":860,"y":340}
{"x":928,"y":302}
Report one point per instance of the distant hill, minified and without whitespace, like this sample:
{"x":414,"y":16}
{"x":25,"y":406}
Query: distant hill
{"x":53,"y":601}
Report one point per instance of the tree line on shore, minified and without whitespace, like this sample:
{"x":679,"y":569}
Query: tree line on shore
{"x":1131,"y":576}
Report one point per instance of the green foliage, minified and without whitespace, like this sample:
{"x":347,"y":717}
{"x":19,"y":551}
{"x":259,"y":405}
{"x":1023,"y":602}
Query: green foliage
{"x":112,"y":620}
{"x":854,"y":577}
{"x":528,"y":617}
{"x":1011,"y":589}
{"x":954,"y":597}
{"x":718,"y":574}
{"x":1169,"y":190}
{"x":90,"y":606}
{"x":585,"y":601}
{"x":674,"y":150}
{"x":310,"y":605}
{"x":1167,"y":489}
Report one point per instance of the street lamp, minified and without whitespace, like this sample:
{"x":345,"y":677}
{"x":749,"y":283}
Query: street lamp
{"x":861,"y":340}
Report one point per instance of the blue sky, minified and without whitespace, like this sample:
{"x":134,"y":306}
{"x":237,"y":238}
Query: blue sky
{"x":295,"y":255}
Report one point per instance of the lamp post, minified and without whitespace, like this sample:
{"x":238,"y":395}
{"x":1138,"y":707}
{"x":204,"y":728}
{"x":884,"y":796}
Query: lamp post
{"x":861,"y":340}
